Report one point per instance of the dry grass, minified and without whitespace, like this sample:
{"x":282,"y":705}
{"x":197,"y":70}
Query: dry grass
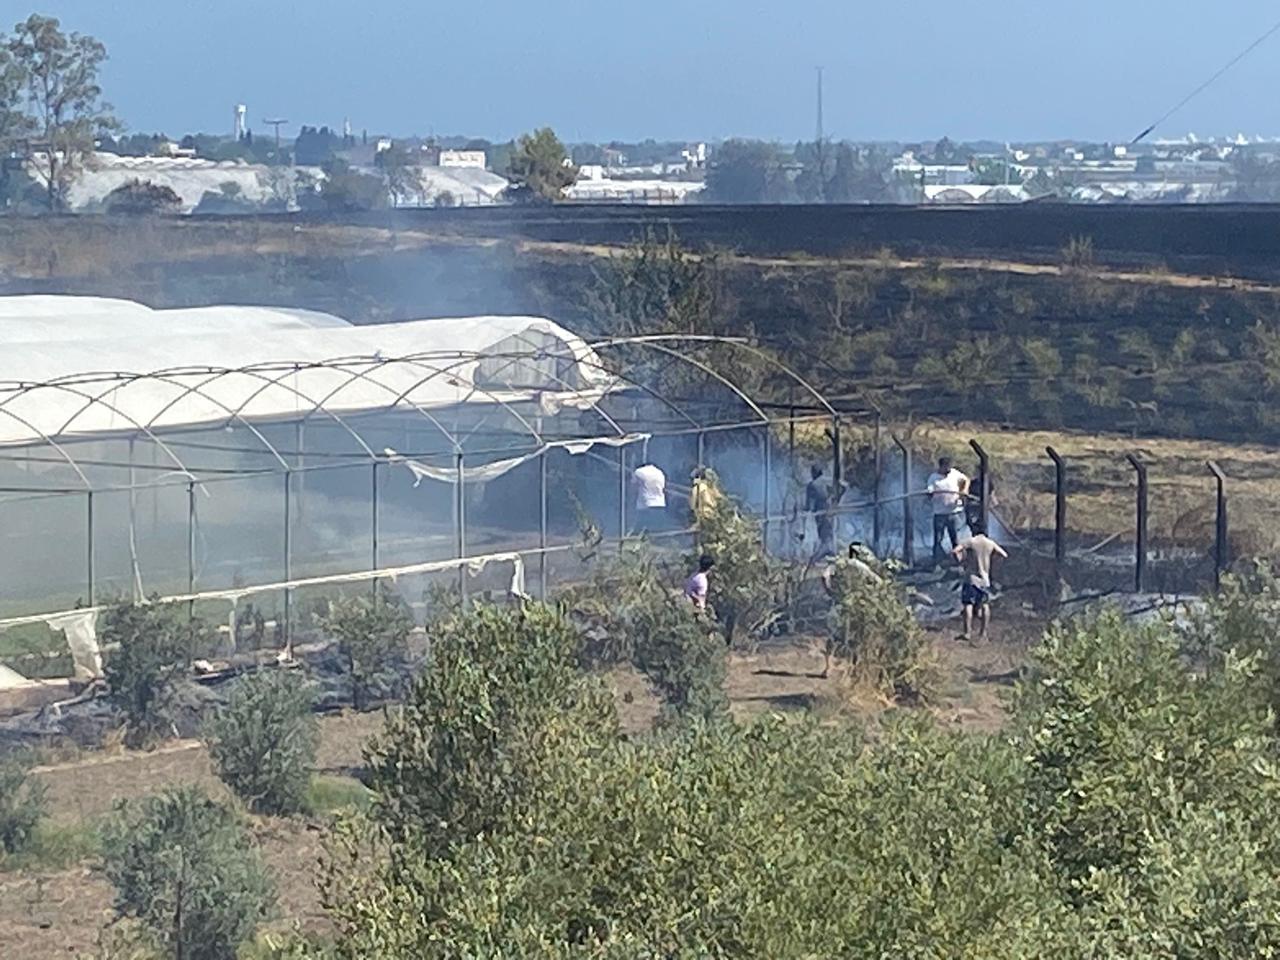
{"x":1101,"y":481}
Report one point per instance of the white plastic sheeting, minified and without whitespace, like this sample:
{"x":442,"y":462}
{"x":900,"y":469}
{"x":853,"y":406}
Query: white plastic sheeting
{"x":47,"y":319}
{"x":497,"y":468}
{"x":248,"y":185}
{"x":74,"y":368}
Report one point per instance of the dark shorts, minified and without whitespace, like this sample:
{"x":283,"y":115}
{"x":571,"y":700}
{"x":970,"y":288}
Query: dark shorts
{"x":973,"y":596}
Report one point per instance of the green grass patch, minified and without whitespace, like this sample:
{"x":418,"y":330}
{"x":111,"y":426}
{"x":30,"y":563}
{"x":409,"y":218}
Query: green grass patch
{"x":329,"y":795}
{"x":55,"y":847}
{"x":29,"y":638}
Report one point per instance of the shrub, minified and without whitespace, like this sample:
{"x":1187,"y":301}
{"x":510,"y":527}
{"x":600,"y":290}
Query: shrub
{"x":1125,"y":746}
{"x":139,"y":197}
{"x":153,"y":649}
{"x":1132,"y":812}
{"x":747,"y":582}
{"x":871,"y":627}
{"x":23,"y":803}
{"x":728,"y":842}
{"x":263,"y":743}
{"x":637,"y":617}
{"x":500,"y":697}
{"x":373,"y":633}
{"x":186,"y":869}
{"x":1077,"y":253}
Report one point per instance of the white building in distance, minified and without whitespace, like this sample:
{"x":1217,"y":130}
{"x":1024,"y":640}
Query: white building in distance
{"x":462,"y":158}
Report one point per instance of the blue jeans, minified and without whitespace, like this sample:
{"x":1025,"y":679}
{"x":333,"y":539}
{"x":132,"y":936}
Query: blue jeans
{"x":948,"y":523}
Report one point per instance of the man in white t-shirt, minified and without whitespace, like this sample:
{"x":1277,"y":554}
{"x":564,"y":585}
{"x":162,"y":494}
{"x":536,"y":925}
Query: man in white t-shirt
{"x":651,"y":497}
{"x":947,"y":490}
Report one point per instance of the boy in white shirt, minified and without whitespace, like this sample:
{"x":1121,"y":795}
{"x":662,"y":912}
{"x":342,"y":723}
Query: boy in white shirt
{"x":947,"y":490}
{"x":698,"y":585}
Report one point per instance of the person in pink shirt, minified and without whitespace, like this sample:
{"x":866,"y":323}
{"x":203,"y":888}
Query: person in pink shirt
{"x":698,"y":584}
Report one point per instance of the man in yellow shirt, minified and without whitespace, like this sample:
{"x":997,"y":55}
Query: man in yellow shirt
{"x":703,"y":495}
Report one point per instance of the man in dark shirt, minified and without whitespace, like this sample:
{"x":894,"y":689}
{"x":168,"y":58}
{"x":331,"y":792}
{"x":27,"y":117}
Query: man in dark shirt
{"x":817,"y":500}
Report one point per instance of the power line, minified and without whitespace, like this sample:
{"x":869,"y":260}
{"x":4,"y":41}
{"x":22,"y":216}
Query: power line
{"x":1208,"y":83}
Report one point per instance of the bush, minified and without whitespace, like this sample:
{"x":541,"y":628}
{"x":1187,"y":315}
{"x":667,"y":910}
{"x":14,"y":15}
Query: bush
{"x":637,"y":618}
{"x":138,"y":197}
{"x":1240,"y":623}
{"x":373,"y":634}
{"x":871,"y":627}
{"x":1125,"y":747}
{"x":345,"y":190}
{"x":1131,"y":811}
{"x":23,"y":803}
{"x":726,"y":842}
{"x":186,"y":869}
{"x":747,"y":582}
{"x":153,"y":644}
{"x":263,"y":743}
{"x":500,"y":696}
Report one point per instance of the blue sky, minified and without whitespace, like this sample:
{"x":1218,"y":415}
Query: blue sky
{"x":698,"y":69}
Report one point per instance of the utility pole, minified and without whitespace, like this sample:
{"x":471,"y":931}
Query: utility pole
{"x":820,"y":130}
{"x":820,"y":145}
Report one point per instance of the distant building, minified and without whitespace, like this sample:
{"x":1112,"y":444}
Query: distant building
{"x":463,"y":158}
{"x":170,"y":149}
{"x":695,"y":158}
{"x":605,"y":190}
{"x":943,"y":174}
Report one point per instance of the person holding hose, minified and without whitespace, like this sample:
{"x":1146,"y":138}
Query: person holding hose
{"x":947,"y":490}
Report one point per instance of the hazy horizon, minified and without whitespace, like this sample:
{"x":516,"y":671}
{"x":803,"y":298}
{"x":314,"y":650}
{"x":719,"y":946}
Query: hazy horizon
{"x":675,"y":72}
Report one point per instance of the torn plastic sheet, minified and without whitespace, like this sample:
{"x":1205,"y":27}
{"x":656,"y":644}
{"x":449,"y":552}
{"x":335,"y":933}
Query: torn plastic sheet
{"x":497,"y":468}
{"x":80,"y":626}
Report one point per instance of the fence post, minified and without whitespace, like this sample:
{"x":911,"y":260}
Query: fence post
{"x":878,"y":466}
{"x":837,"y":454}
{"x":373,"y":521}
{"x":135,"y":575}
{"x":1140,"y":547}
{"x":984,"y":488}
{"x":460,"y":511}
{"x":542,"y":523}
{"x":791,"y":438}
{"x":288,"y":567}
{"x":191,"y":548}
{"x":622,"y":495}
{"x":1220,"y":525}
{"x":768,"y":468}
{"x":1059,"y":504}
{"x":89,"y":546}
{"x":908,"y":526}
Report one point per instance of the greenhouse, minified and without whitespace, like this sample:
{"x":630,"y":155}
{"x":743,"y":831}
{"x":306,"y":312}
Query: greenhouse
{"x":253,"y":458}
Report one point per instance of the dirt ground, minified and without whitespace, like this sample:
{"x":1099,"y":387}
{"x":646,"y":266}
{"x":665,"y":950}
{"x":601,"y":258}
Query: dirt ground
{"x":66,"y":913}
